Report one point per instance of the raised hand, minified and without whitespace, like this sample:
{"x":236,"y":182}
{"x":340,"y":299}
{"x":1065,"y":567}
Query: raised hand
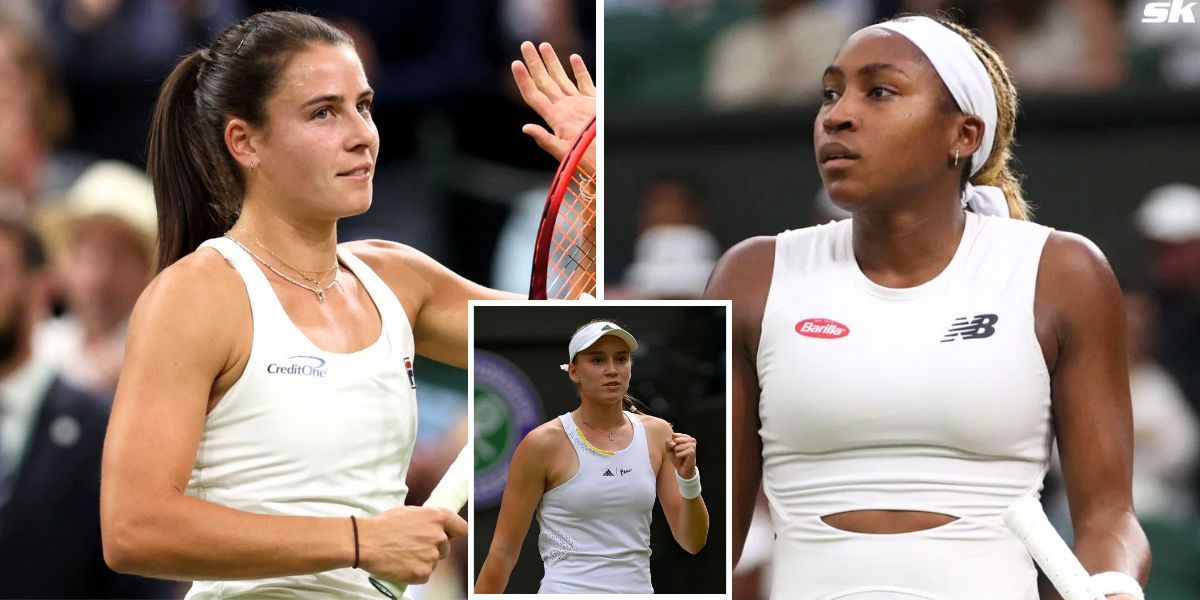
{"x":681,"y":447}
{"x":566,"y":106}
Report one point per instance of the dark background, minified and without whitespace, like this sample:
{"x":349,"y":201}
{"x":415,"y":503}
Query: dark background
{"x":678,"y":372}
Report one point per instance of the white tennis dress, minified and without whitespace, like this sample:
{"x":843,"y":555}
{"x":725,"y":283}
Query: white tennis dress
{"x":307,"y":432}
{"x":595,"y":528}
{"x":933,"y":398}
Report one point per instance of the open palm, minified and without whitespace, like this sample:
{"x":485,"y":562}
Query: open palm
{"x":566,"y":106}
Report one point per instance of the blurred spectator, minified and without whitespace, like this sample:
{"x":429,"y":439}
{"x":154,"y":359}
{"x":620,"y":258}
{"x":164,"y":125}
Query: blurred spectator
{"x":101,"y":240}
{"x":114,"y":53}
{"x":1084,"y":37}
{"x":777,"y":56}
{"x":1169,"y":219}
{"x":50,"y":440}
{"x":1166,"y":433}
{"x":675,"y":253}
{"x":35,"y":115}
{"x":656,"y":55}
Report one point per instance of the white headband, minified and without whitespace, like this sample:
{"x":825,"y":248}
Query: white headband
{"x":584,"y":338}
{"x":970,"y":86}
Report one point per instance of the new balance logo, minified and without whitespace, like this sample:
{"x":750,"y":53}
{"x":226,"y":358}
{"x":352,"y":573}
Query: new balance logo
{"x":608,"y":473}
{"x":974,"y":328}
{"x":624,"y":471}
{"x":1168,"y":12}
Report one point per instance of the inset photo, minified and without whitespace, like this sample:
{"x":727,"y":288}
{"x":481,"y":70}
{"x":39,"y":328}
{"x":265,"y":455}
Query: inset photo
{"x":600,"y":442}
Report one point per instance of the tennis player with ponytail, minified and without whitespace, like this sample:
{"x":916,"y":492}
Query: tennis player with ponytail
{"x":904,"y":372}
{"x":266,"y":414}
{"x":591,"y":476}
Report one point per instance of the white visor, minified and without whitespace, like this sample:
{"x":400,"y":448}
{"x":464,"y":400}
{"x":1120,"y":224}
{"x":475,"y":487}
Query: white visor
{"x":584,"y":338}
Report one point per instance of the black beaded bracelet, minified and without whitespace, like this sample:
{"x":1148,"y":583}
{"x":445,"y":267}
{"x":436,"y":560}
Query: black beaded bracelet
{"x":354,"y":524}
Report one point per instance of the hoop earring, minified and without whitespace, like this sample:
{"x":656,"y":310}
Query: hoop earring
{"x":956,"y":157}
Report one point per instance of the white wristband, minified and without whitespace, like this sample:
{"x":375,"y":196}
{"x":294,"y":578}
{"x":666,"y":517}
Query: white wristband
{"x":1115,"y":582}
{"x":689,"y":488}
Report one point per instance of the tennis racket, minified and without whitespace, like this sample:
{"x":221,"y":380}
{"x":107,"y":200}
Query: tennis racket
{"x":564,"y":255}
{"x":451,"y":494}
{"x":1026,"y":520}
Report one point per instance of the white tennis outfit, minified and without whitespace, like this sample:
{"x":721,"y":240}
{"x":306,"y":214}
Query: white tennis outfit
{"x":307,"y":432}
{"x":595,"y":528}
{"x":933,"y":398}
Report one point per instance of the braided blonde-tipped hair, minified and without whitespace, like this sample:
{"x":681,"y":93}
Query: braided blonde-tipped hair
{"x":998,"y":170}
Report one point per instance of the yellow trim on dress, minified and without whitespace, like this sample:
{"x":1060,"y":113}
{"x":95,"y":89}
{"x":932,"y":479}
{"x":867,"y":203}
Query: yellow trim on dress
{"x":589,"y":444}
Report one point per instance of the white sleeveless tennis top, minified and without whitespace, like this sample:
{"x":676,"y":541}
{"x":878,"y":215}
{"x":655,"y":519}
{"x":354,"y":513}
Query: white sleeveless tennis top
{"x":307,"y":432}
{"x":595,"y":528}
{"x":933,"y":398}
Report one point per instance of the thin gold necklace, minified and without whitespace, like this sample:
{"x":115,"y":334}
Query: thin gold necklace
{"x":607,"y":433}
{"x":317,"y":282}
{"x":318,"y":290}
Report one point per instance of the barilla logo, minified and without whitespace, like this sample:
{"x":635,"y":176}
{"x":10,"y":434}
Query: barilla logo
{"x":1168,"y":12}
{"x":825,"y":329}
{"x":305,"y":366}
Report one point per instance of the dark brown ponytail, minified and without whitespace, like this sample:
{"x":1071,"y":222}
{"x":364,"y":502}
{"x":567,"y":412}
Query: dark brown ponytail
{"x":197,"y":184}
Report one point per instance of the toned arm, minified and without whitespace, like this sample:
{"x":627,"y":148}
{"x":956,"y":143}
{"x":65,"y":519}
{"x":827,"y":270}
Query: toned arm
{"x":527,"y":476}
{"x":743,"y":275}
{"x":1082,"y":324}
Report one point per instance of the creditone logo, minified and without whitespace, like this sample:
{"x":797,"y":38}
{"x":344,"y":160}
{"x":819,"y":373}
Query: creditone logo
{"x":974,"y":328}
{"x":826,"y":329}
{"x":301,"y":365}
{"x":1168,"y":12}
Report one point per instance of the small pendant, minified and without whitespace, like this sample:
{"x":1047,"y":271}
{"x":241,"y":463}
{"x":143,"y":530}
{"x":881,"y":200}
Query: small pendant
{"x":610,"y":437}
{"x":321,"y":296}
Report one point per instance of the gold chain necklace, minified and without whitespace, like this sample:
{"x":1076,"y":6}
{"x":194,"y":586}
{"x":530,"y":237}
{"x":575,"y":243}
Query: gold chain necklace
{"x":318,"y":290}
{"x":303,"y":273}
{"x":609,"y":434}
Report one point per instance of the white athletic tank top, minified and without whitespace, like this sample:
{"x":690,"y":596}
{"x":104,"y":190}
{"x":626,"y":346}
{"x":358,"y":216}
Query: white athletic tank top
{"x":307,"y":432}
{"x":933,"y":398}
{"x":595,"y":528}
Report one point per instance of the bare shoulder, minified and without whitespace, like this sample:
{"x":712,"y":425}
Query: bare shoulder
{"x":543,"y":441}
{"x":545,"y":436}
{"x":748,"y":260}
{"x":200,"y":285}
{"x":656,"y":428}
{"x":198,"y":304}
{"x":1075,"y":281}
{"x":389,"y":258}
{"x":1073,"y":267}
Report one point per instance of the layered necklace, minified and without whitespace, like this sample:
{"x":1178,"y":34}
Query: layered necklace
{"x":318,"y":286}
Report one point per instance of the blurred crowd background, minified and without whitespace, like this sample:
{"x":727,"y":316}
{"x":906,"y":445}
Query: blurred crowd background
{"x":78,"y":81}
{"x":678,"y":375}
{"x":709,"y":113}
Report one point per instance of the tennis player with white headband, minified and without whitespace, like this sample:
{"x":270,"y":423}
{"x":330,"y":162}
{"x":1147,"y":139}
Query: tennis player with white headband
{"x":897,"y":372}
{"x":592,"y":476}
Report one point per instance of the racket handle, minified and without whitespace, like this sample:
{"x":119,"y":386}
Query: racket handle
{"x":1026,"y":520}
{"x":451,"y":494}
